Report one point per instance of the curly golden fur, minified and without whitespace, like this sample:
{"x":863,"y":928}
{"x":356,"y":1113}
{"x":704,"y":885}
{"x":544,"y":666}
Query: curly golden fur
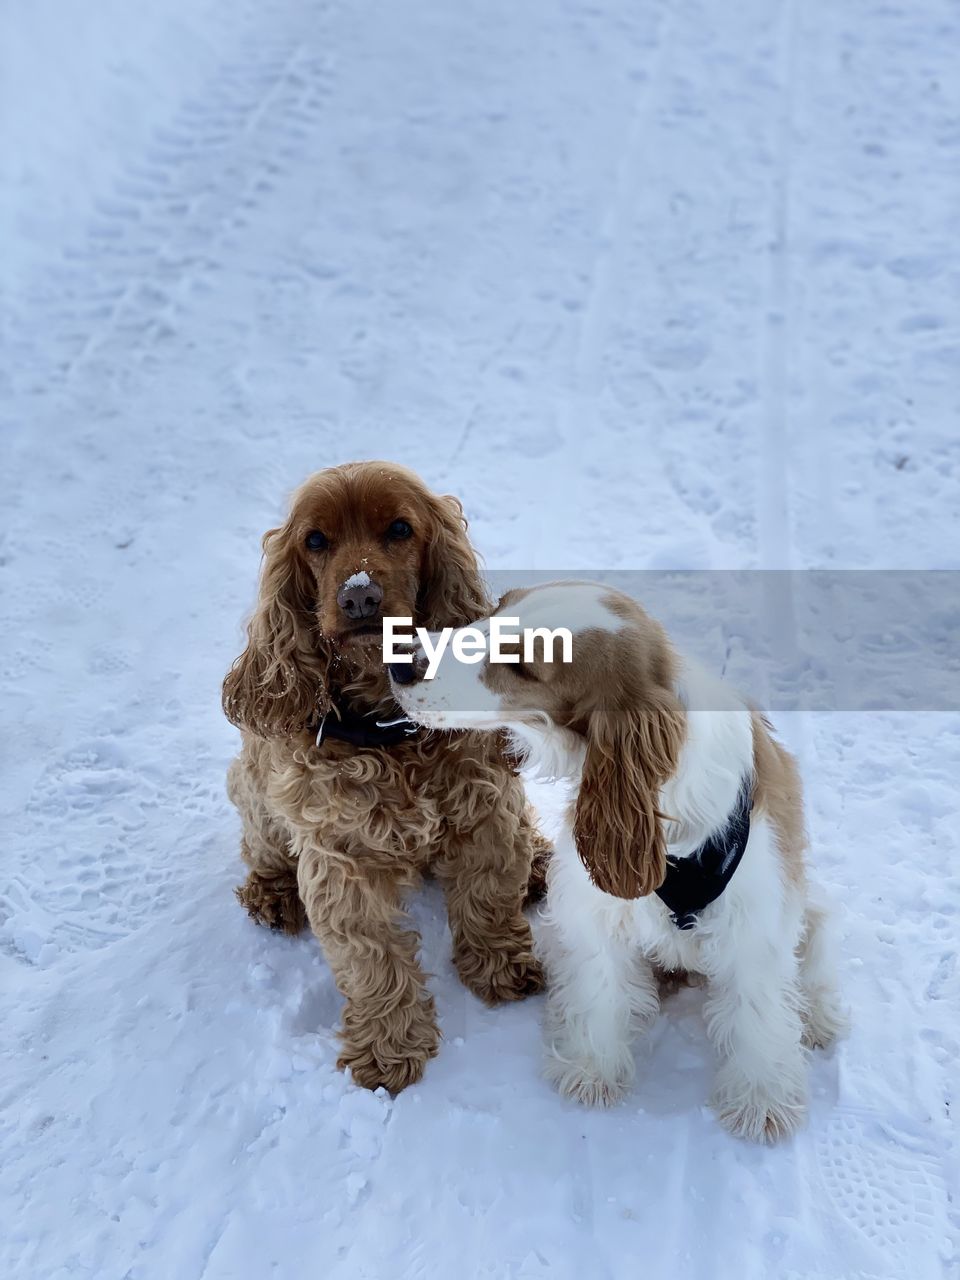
{"x":337,"y":834}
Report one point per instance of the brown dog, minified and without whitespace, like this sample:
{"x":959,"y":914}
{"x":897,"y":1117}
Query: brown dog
{"x":337,"y":832}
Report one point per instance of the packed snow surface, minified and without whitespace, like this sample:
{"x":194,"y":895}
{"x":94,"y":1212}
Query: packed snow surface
{"x":651,"y":284}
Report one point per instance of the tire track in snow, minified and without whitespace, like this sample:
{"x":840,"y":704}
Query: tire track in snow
{"x":158,"y":238}
{"x":774,"y":519}
{"x":579,"y":417}
{"x":138,"y":295}
{"x":774,"y":522}
{"x":879,"y":1193}
{"x":106,"y":309}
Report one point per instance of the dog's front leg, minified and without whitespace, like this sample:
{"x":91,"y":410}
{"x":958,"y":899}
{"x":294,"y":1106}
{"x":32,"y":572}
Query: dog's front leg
{"x":753,"y":1018}
{"x":484,"y":873}
{"x":601,"y":991}
{"x":389,"y":1029}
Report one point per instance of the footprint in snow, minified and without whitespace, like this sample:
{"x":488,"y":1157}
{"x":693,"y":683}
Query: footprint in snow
{"x":891,"y":1195}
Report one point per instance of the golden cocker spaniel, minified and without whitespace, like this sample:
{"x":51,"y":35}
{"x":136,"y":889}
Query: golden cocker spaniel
{"x":342,"y":810}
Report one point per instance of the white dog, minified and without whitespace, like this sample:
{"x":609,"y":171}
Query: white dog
{"x":683,"y":850}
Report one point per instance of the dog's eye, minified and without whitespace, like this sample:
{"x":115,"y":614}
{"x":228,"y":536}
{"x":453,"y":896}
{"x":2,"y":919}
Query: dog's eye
{"x":399,"y":530}
{"x":316,"y":541}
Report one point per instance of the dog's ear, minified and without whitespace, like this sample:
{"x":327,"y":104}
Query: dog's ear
{"x":618,"y":828}
{"x":452,"y":593}
{"x":279,"y":681}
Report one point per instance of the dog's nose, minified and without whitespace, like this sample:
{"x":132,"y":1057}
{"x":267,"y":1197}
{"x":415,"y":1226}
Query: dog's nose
{"x":403,"y":672}
{"x":360,"y":600}
{"x":409,"y":672}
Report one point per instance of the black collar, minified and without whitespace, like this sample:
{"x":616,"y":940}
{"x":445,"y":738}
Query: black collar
{"x":695,"y":881}
{"x":373,"y":729}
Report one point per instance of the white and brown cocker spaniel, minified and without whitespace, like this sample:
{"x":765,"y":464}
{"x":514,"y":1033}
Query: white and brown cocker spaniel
{"x":683,"y":851}
{"x":342,"y":810}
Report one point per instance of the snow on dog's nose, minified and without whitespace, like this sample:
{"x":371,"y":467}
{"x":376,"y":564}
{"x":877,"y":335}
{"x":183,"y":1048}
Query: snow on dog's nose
{"x":360,"y":597}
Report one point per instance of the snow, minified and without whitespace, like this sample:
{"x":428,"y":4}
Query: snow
{"x":649,"y":286}
{"x":358,"y":580}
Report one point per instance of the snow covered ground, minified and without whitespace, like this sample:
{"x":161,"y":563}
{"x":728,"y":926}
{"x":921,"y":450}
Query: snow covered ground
{"x":648,"y":284}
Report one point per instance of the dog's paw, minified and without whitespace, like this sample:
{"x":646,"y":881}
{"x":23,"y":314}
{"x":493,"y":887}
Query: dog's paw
{"x":761,"y":1117}
{"x":823,"y":1023}
{"x":496,"y":978}
{"x":585,"y":1082}
{"x":273,"y":901}
{"x":390,"y":1057}
{"x":370,"y":1071}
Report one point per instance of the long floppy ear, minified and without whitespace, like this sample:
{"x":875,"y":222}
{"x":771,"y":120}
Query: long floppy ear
{"x":452,"y":593}
{"x":617,"y":826}
{"x":279,"y":681}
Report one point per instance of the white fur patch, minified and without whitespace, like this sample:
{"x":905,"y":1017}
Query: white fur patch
{"x":456,"y":698}
{"x":575,"y":605}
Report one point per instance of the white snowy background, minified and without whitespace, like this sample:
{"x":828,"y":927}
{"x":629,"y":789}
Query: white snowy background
{"x":647,"y":283}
